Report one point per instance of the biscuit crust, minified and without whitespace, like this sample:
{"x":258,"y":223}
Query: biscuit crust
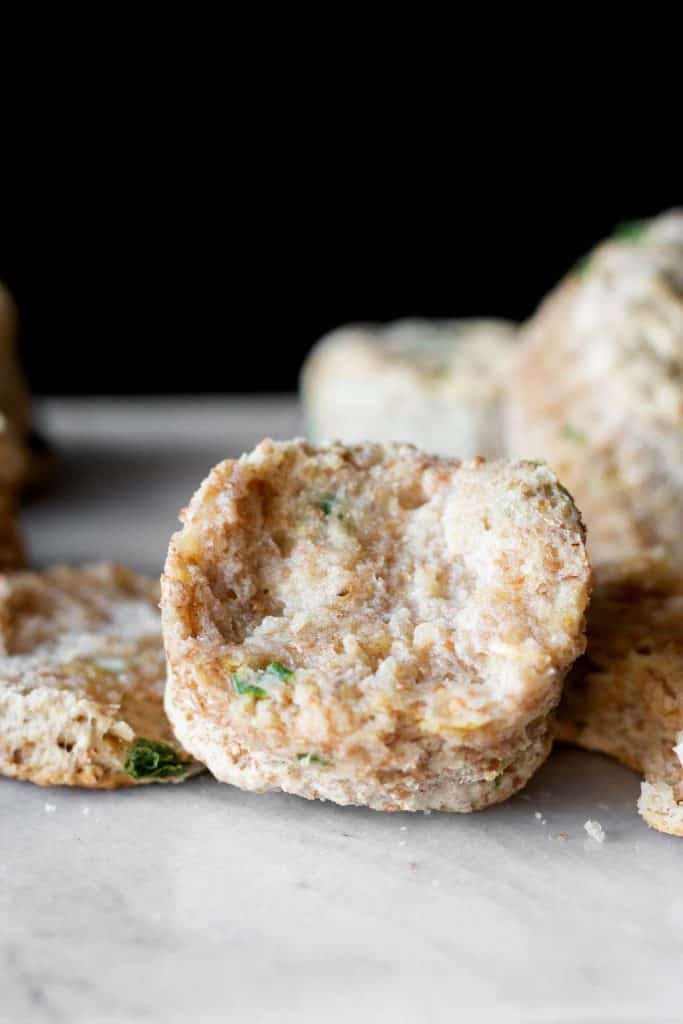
{"x":598,"y":390}
{"x":82,"y":674}
{"x":625,"y":698}
{"x":372,"y":625}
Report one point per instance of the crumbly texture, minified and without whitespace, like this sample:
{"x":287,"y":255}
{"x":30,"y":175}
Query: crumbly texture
{"x":598,"y":390}
{"x":82,"y":674}
{"x":436,"y":384}
{"x":373,"y":625}
{"x":625,"y":698}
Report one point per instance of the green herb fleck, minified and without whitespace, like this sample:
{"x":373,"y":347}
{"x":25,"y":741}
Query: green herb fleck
{"x":276,"y":669}
{"x":327,"y":504}
{"x":572,"y":434}
{"x":312,"y":759}
{"x":147,"y":759}
{"x":247,"y":689}
{"x":630,"y":230}
{"x":246,"y":680}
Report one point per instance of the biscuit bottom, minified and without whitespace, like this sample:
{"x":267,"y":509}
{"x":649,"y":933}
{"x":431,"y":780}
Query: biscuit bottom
{"x":464,"y":785}
{"x":625,"y":697}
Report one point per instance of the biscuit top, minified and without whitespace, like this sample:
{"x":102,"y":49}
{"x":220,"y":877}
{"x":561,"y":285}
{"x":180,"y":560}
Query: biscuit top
{"x":345,"y":592}
{"x":446,"y":356}
{"x":623,"y":322}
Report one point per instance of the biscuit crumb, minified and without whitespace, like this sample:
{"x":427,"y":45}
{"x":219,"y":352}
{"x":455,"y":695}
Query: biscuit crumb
{"x":678,"y":749}
{"x":595,"y":830}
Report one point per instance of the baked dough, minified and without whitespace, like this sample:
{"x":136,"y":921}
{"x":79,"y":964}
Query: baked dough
{"x":372,"y":625}
{"x":598,"y":390}
{"x":14,"y":395}
{"x":13,"y":465}
{"x":11,"y":541}
{"x":82,"y":674}
{"x":625,"y":698}
{"x":436,"y":384}
{"x":15,"y":458}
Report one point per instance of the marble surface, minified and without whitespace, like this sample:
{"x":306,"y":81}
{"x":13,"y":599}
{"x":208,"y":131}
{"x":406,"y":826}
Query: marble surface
{"x":202,"y":903}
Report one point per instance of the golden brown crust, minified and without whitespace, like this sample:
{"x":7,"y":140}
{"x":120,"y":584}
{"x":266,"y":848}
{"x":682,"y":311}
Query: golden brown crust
{"x":625,"y":697}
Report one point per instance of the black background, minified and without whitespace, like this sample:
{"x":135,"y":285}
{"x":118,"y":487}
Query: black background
{"x":145,"y":280}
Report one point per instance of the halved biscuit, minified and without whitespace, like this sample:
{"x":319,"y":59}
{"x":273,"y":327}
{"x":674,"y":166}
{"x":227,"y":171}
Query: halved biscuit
{"x":625,"y":698}
{"x":82,"y":673}
{"x":372,"y":625}
{"x":437,"y":384}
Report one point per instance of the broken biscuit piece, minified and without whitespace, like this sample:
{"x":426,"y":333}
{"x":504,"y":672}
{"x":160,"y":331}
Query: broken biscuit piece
{"x":82,"y":673}
{"x":625,"y":697}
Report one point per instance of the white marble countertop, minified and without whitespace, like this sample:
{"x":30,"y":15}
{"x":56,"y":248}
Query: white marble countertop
{"x":202,"y":903}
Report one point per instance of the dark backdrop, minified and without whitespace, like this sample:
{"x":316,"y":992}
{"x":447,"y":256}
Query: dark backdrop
{"x":198,"y":285}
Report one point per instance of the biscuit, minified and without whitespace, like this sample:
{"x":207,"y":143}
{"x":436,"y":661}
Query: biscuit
{"x":82,"y":674}
{"x":625,"y":697}
{"x":11,"y":541}
{"x":14,"y":395}
{"x":13,"y":469}
{"x":372,"y":625}
{"x":598,"y":390}
{"x":436,"y":384}
{"x":26,"y":461}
